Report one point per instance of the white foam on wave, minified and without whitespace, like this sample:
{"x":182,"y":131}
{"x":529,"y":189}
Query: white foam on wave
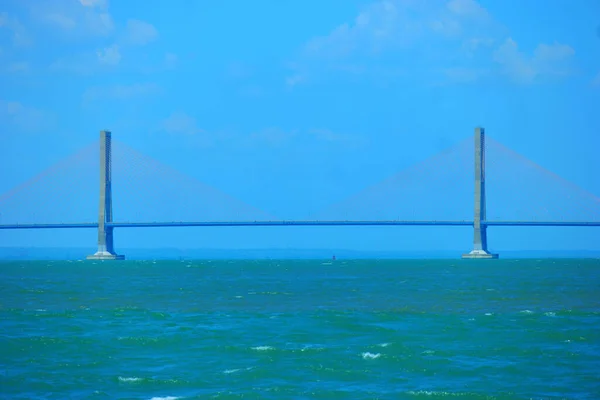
{"x":488,"y":313}
{"x":526,"y":312}
{"x":263,"y":348}
{"x":428,"y":352}
{"x":550,"y":314}
{"x":312,"y":347}
{"x":370,"y":356}
{"x":434,"y":393}
{"x":40,"y":310}
{"x":126,"y":379}
{"x":383,"y":344}
{"x":165,"y":398}
{"x":231,"y":371}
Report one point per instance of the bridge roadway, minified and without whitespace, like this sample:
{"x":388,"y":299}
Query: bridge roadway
{"x":294,"y":223}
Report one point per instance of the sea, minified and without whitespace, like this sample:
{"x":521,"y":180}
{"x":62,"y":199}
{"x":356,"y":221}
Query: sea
{"x":305,"y":329}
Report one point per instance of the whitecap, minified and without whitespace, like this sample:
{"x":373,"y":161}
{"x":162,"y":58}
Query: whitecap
{"x":488,"y":313}
{"x":231,"y":371}
{"x":526,"y":312}
{"x":433,"y":393}
{"x":550,"y":314}
{"x":428,"y":352}
{"x":165,"y":398}
{"x":370,"y":356}
{"x":126,"y":379}
{"x":263,"y":348}
{"x":311,"y":347}
{"x":383,"y":344}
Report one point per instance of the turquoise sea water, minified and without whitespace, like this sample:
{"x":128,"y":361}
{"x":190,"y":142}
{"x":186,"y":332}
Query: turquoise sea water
{"x":497,"y":329}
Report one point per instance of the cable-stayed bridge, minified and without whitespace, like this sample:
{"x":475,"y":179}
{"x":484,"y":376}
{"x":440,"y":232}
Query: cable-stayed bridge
{"x":449,"y":189}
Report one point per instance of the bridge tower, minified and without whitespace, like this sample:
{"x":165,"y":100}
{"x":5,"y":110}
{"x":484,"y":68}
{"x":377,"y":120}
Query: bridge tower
{"x":480,"y":228}
{"x":105,"y":233}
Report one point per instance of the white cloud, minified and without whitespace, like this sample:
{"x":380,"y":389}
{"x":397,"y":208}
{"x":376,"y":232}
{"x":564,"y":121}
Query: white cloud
{"x":458,"y":40}
{"x":62,"y":21}
{"x":278,"y":137}
{"x":427,"y":31}
{"x":82,"y":64}
{"x":470,"y":46}
{"x":251,"y":90}
{"x":171,"y":60}
{"x":271,"y":136}
{"x":140,"y":32}
{"x":109,"y":55}
{"x":376,"y":26}
{"x":93,"y":3}
{"x":400,"y":24}
{"x":328,"y":135}
{"x":547,"y":60}
{"x":24,"y":118}
{"x":238,"y":70}
{"x":470,"y":9}
{"x":120,"y":92}
{"x":552,"y":53}
{"x":16,"y":67}
{"x":180,"y":123}
{"x":100,"y":23}
{"x":82,"y":18}
{"x":295,"y":79}
{"x":465,"y":75}
{"x":20,"y":36}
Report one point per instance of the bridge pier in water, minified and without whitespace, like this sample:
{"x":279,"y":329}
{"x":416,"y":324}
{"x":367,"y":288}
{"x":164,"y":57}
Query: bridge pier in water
{"x":106,"y":249}
{"x":479,"y":227}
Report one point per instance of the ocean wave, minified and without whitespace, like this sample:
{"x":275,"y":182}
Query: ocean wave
{"x":263,"y":348}
{"x":370,"y":356}
{"x":165,"y":398}
{"x":127,"y":379}
{"x":232,"y":371}
{"x":441,"y":393}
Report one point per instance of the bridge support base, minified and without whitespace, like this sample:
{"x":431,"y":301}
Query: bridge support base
{"x":105,"y":256}
{"x":479,"y":254}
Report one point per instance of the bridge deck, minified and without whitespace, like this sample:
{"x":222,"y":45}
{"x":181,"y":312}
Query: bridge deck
{"x":294,"y":223}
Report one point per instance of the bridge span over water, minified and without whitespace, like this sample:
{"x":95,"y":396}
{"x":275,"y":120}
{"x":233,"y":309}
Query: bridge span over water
{"x":106,"y":225}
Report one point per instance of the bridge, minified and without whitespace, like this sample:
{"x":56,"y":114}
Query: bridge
{"x":106,"y":224}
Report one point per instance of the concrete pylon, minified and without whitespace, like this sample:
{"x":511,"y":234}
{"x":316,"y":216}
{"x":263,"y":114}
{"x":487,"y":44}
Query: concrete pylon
{"x":480,"y":229}
{"x":106,"y":249}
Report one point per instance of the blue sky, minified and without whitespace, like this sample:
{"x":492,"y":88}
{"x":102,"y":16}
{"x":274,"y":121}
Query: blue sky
{"x":292,"y":106}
